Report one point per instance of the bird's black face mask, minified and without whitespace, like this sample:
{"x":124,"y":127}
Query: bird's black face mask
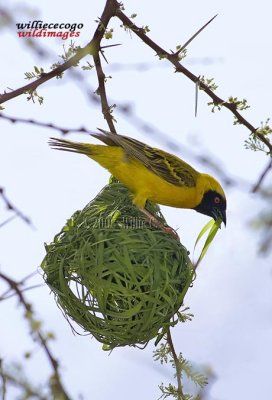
{"x":214,"y":205}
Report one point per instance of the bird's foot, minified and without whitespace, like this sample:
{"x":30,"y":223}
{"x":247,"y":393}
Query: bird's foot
{"x":158,"y":224}
{"x":171,"y":231}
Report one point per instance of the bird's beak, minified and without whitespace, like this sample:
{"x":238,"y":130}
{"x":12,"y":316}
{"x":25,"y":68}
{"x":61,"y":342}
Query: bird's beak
{"x":222,"y":216}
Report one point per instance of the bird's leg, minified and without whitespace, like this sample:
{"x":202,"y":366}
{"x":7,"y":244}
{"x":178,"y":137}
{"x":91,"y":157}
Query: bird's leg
{"x":158,"y":224}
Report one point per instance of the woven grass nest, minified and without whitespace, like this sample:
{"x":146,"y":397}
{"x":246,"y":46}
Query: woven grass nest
{"x":117,"y":277}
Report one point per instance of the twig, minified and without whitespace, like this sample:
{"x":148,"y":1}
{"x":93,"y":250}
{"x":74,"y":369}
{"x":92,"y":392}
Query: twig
{"x":11,"y":207}
{"x":257,"y":186}
{"x":177,"y":365}
{"x":52,"y":360}
{"x":91,"y":48}
{"x":173,"y":58}
{"x":101,"y":91}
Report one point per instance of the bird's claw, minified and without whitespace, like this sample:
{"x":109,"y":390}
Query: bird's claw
{"x":172,"y":232}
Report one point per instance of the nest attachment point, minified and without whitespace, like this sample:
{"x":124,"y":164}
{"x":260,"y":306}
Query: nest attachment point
{"x":117,"y":277}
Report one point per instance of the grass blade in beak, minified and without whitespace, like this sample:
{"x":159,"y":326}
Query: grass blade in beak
{"x":213,"y":226}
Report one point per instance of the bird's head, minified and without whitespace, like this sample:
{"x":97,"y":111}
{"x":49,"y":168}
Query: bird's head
{"x":213,"y":201}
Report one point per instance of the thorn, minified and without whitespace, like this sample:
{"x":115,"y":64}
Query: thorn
{"x":103,"y":55}
{"x":195,"y":35}
{"x":110,"y":45}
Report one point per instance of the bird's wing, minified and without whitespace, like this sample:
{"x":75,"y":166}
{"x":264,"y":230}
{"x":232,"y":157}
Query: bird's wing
{"x":169,"y":167}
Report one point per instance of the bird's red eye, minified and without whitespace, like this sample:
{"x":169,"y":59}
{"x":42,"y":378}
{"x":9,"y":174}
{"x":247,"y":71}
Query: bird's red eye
{"x":217,"y":200}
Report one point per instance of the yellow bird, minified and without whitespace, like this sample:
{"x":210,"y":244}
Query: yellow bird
{"x":152,"y":174}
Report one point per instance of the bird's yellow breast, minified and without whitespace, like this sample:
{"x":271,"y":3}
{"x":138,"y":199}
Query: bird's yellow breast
{"x":142,"y":182}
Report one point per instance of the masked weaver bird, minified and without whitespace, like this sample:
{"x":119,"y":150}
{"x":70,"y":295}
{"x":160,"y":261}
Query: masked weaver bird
{"x":152,"y":174}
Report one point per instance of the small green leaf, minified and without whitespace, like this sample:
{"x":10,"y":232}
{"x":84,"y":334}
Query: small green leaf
{"x":108,"y":34}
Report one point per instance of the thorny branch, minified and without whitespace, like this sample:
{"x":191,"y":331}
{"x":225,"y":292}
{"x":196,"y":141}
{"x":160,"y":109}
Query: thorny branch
{"x":57,"y":386}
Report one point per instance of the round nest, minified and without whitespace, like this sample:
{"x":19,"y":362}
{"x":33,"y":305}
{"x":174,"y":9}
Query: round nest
{"x":113,"y":274}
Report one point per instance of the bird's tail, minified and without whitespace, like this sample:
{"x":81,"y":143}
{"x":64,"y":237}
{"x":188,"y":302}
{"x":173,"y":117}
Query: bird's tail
{"x":74,"y":147}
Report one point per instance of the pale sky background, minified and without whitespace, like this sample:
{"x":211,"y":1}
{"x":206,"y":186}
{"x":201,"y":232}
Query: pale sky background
{"x":232,"y":296}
